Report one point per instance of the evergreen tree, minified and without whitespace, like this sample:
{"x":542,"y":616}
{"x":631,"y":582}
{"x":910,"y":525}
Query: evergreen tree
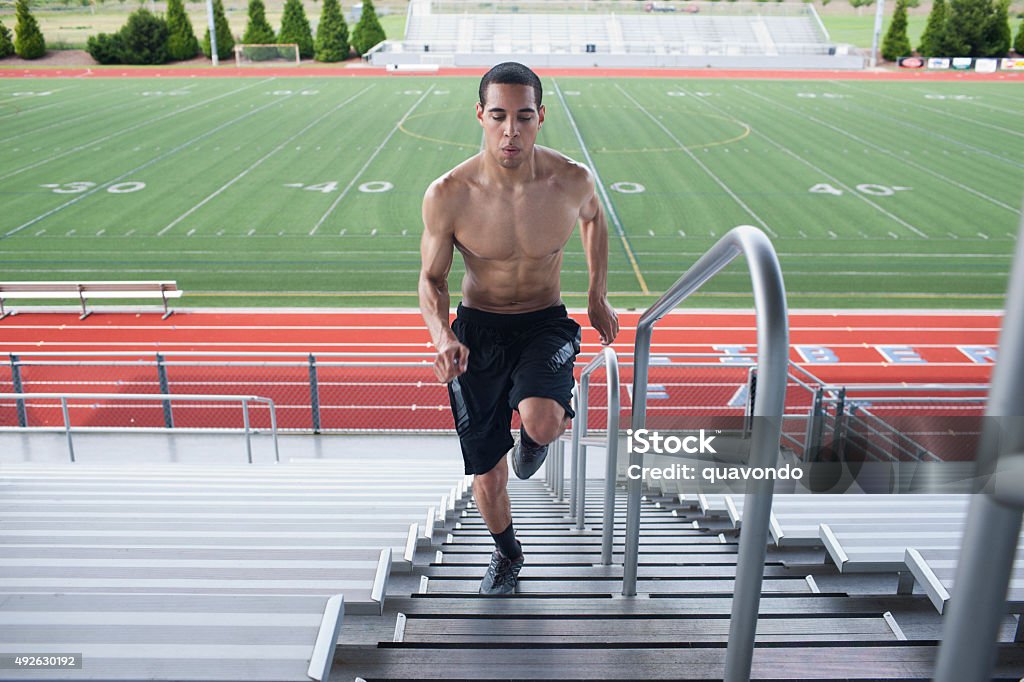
{"x":932,"y":38}
{"x":368,"y":31}
{"x":181,"y":43}
{"x":896,"y":44}
{"x":295,"y":28}
{"x":225,"y":41}
{"x":6,"y":44}
{"x":331,"y":34}
{"x":28,"y":42}
{"x":997,"y":35}
{"x":975,"y":28}
{"x":258,"y":30}
{"x":1018,"y":45}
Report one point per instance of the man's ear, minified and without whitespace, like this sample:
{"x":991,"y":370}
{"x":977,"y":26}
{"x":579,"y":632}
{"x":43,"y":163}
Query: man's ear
{"x":540,"y":116}
{"x":480,"y":113}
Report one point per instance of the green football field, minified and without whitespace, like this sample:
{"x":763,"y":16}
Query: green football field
{"x":306,"y":191}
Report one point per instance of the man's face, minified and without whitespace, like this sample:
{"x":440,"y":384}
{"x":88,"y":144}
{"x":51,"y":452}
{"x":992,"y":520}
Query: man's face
{"x":510,"y":119}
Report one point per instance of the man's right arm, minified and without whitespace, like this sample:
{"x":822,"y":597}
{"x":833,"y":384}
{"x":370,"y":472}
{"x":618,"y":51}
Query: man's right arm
{"x":436,"y":251}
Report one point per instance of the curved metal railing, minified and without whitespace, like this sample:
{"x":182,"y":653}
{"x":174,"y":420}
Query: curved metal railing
{"x":578,"y":483}
{"x":772,"y":363}
{"x":63,"y":399}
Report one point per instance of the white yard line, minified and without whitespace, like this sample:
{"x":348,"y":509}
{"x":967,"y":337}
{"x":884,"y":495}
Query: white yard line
{"x":266,"y":156}
{"x":972,"y":121}
{"x":366,"y":165}
{"x":176,"y":112}
{"x":885,"y":151}
{"x":630,"y":255}
{"x":839,"y":183}
{"x":721,"y":183}
{"x":120,"y":107}
{"x":916,"y":126}
{"x":149,"y":163}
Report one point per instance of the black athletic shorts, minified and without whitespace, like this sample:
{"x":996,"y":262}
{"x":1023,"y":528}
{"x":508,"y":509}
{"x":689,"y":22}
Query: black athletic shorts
{"x":511,"y":357}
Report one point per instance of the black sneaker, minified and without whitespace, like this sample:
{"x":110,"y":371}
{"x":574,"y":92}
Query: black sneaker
{"x":526,"y":460}
{"x":502,"y":575}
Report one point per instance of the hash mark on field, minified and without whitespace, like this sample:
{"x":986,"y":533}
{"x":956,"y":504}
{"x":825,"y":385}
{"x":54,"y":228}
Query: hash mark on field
{"x":373,"y":232}
{"x":983,"y":235}
{"x":251,"y":232}
{"x":220,"y":233}
{"x":190,"y":232}
{"x":894,"y":235}
{"x":953,"y":235}
{"x":40,"y":232}
{"x":1010,"y":236}
{"x":405,"y":232}
{"x":833,"y":234}
{"x":650,"y":232}
{"x":343,"y":231}
{"x":71,"y":232}
{"x":802,"y":234}
{"x":681,"y":233}
{"x":100,"y":233}
{"x":130,"y":232}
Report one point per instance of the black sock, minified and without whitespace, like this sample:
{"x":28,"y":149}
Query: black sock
{"x":507,"y":543}
{"x":526,"y":440}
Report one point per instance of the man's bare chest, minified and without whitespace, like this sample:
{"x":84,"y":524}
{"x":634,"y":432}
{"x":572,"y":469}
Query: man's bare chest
{"x":534,"y":227}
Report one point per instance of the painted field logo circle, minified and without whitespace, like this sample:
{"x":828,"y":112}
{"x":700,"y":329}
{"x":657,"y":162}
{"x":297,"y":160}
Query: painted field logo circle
{"x":628,"y":187}
{"x":375,"y":186}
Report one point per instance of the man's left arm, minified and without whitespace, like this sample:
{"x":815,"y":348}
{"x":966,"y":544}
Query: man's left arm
{"x":594,"y":232}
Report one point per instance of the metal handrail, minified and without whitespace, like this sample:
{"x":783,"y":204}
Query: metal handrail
{"x":773,"y":360}
{"x":164,"y":398}
{"x":971,"y":630}
{"x":579,"y":452}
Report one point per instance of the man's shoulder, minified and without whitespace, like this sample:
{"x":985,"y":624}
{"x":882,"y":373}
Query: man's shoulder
{"x":454,"y":183}
{"x":565,"y":169}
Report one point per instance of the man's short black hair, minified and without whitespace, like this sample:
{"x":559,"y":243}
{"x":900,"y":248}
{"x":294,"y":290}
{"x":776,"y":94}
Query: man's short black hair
{"x":511,"y":73}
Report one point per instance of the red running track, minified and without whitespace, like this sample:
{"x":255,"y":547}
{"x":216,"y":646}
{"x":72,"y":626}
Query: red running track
{"x":855,"y":347}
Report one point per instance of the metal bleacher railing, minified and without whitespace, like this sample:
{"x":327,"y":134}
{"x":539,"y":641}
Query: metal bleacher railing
{"x":993,"y":525}
{"x":91,"y":401}
{"x":580,"y":440}
{"x":766,"y":431}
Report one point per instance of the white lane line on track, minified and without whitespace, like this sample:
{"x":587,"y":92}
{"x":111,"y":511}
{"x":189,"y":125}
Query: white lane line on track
{"x":256,"y":164}
{"x":973,"y":122}
{"x":366,"y":165}
{"x":898,"y":157}
{"x":839,"y":183}
{"x":147,"y":164}
{"x":176,"y":112}
{"x":721,"y":183}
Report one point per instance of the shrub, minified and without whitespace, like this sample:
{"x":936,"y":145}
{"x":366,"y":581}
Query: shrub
{"x":143,"y":38}
{"x":181,"y":41}
{"x":6,"y":44}
{"x":295,"y":28}
{"x":368,"y":32}
{"x":1018,"y":44}
{"x":258,"y":31}
{"x":105,"y":48}
{"x":896,"y":44}
{"x":225,"y":41}
{"x":332,"y":34}
{"x":29,"y":42}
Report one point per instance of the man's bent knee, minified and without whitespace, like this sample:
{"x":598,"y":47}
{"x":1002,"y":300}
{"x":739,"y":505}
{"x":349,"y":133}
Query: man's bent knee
{"x":493,"y":482}
{"x":543,"y":419}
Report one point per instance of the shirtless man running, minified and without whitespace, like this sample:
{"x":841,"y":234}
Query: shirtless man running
{"x":510,"y":211}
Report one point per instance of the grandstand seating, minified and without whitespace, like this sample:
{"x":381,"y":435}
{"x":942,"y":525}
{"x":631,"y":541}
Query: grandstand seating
{"x":614,"y":35}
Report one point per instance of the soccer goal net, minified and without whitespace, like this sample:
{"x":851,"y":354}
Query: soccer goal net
{"x":260,"y":55}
